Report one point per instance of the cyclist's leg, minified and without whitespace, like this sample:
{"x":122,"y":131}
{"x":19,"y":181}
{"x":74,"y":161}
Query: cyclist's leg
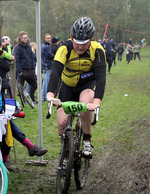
{"x":61,"y":119}
{"x":66,"y":94}
{"x":86,"y":96}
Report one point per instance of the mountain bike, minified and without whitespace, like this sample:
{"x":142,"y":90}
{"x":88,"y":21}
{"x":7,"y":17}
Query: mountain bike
{"x":24,"y":96}
{"x":71,"y":157}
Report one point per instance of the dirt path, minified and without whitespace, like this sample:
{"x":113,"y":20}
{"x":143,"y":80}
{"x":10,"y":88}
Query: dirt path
{"x":118,"y":171}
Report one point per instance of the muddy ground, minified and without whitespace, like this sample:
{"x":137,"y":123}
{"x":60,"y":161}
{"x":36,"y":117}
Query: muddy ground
{"x":123,"y":168}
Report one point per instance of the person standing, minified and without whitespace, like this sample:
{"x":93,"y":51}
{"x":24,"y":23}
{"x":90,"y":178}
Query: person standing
{"x":55,"y":44}
{"x":33,"y":149}
{"x":108,"y":46}
{"x":130,"y":41}
{"x":136,"y":51}
{"x":143,"y":41}
{"x":33,"y":47}
{"x":129,"y":53}
{"x":120,"y":51}
{"x":46,"y":57}
{"x":5,"y":63}
{"x":25,"y":63}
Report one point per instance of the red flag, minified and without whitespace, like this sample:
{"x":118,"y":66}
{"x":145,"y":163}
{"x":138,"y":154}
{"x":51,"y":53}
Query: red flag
{"x":106,"y":29}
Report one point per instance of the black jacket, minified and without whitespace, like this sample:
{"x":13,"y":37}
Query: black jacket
{"x":24,"y":58}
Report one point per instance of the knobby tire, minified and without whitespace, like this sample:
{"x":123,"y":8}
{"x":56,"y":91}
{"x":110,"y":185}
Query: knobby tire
{"x":81,"y":165}
{"x":20,"y":94}
{"x":3,"y":179}
{"x":64,"y":177}
{"x":28,"y":99}
{"x":24,"y":96}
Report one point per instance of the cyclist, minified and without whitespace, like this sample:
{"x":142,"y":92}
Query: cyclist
{"x":81,"y":64}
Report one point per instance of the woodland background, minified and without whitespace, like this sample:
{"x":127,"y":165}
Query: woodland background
{"x":126,"y":18}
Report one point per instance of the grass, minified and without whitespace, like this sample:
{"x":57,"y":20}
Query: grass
{"x":126,"y":102}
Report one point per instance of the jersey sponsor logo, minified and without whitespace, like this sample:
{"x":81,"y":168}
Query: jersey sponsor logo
{"x":85,"y":75}
{"x":85,"y":63}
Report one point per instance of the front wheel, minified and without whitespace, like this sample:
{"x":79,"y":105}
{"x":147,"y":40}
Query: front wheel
{"x":65,"y":164}
{"x":81,"y":167}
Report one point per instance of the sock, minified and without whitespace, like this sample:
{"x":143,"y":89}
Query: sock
{"x":5,"y":158}
{"x":28,"y":144}
{"x":87,"y":137}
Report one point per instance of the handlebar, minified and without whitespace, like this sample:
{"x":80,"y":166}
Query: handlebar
{"x":72,"y":108}
{"x":96,"y":112}
{"x":50,"y":105}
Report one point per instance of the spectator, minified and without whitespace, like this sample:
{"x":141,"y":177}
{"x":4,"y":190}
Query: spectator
{"x":130,"y":41}
{"x":143,"y":41}
{"x":108,"y":46}
{"x":55,"y":44}
{"x":120,"y":51}
{"x":13,"y":47}
{"x":100,"y":41}
{"x":129,"y":53}
{"x":47,"y":56}
{"x":33,"y":149}
{"x":114,"y":52}
{"x":16,"y":132}
{"x":33,"y":47}
{"x":5,"y":58}
{"x":25,"y":63}
{"x":136,"y":51}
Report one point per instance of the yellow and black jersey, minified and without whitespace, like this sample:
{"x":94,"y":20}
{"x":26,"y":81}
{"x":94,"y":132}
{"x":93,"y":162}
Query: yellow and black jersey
{"x":76,"y":70}
{"x":76,"y":66}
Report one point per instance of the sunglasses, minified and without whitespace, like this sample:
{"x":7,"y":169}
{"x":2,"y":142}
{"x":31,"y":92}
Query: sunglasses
{"x":25,"y":38}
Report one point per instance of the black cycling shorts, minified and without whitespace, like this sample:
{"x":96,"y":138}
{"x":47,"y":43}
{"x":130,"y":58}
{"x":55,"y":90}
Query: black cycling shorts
{"x":68,"y":93}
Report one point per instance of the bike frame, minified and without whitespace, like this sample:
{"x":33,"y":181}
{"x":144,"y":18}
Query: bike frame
{"x":74,"y":149}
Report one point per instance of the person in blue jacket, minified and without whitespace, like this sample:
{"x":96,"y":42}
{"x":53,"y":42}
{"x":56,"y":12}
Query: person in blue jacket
{"x":46,"y":58}
{"x":108,"y":46}
{"x":25,"y":63}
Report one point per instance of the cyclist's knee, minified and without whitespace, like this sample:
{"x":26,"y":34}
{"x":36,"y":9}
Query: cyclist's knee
{"x":62,"y":123}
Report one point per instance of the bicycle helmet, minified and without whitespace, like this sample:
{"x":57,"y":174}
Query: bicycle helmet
{"x":82,"y":30}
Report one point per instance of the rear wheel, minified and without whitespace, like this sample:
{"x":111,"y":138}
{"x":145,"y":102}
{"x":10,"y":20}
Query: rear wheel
{"x":65,"y":164}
